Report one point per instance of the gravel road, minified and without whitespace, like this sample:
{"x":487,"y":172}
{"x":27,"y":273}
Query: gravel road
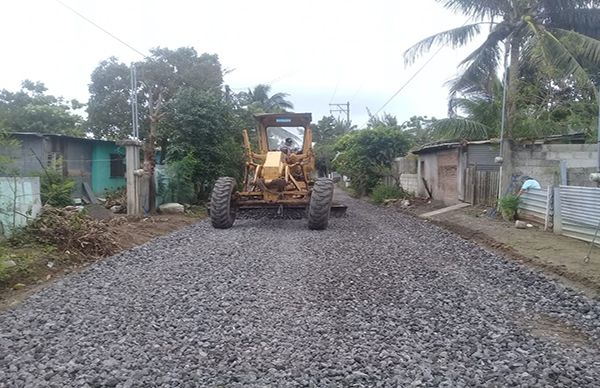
{"x":378,"y":299}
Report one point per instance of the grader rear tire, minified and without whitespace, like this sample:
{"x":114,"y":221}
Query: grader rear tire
{"x":320,"y":204}
{"x":222,"y":208}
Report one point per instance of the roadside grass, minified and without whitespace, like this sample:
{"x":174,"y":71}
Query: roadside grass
{"x":383,"y":192}
{"x":24,"y":262}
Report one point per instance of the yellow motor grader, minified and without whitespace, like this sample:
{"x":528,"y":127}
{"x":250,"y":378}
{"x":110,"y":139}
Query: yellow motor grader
{"x":280,"y":176}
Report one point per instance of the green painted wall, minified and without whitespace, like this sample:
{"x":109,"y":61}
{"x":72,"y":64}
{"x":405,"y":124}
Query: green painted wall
{"x":101,"y":179}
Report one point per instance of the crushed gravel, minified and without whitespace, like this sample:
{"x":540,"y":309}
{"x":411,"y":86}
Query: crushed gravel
{"x":379,"y":299}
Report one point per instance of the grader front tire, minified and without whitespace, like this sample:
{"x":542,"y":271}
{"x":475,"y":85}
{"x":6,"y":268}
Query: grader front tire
{"x":222,"y":209}
{"x":320,"y":204}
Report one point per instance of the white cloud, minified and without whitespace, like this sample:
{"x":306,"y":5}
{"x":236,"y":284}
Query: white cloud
{"x":305,"y":48}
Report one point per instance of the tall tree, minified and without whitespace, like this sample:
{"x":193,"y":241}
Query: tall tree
{"x":109,"y":112}
{"x":325,"y":133}
{"x":257,"y":100}
{"x":205,"y":128}
{"x":555,"y":35}
{"x":31,"y":109}
{"x":366,"y":156}
{"x":161,"y":76}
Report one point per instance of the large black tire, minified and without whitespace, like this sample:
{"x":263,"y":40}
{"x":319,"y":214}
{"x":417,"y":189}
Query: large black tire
{"x":222,"y":208}
{"x":320,"y":204}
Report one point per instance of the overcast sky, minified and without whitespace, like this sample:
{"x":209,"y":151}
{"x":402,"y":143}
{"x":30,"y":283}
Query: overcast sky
{"x":317,"y":51}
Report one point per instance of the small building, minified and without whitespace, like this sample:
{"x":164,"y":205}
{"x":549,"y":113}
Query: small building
{"x":454,"y":172}
{"x":98,"y":163}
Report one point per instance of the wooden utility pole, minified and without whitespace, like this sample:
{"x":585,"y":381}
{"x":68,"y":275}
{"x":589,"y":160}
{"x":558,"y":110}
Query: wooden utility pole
{"x":341,"y":108}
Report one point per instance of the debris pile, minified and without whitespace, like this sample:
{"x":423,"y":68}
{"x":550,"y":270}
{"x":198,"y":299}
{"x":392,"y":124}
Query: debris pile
{"x":74,"y":231}
{"x":116,"y":201}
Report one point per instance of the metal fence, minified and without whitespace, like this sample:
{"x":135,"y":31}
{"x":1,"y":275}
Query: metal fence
{"x":19,"y":202}
{"x":577,"y":211}
{"x":537,"y":206}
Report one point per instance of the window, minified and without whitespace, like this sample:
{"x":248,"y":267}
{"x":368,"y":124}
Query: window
{"x":117,"y":166}
{"x":277,"y":136}
{"x":54,"y":161}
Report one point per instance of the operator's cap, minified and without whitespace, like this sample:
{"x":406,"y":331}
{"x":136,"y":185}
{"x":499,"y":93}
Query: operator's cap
{"x":289,"y":140}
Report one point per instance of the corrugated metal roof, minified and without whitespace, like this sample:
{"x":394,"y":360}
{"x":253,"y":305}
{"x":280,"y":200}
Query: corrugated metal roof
{"x":432,"y":147}
{"x":37,"y":134}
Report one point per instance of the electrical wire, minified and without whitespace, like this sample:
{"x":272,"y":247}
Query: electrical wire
{"x":334,"y":92}
{"x":102,"y":29}
{"x":419,"y":70}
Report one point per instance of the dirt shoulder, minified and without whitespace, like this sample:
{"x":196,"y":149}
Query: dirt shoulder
{"x":559,"y":256}
{"x":38,"y":265}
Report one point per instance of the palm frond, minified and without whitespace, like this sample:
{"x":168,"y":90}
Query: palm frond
{"x":460,"y":128}
{"x":484,"y":62}
{"x":455,"y":37}
{"x":479,"y":9}
{"x":554,"y":48}
{"x":580,"y":45}
{"x":583,"y":21}
{"x":551,"y":6}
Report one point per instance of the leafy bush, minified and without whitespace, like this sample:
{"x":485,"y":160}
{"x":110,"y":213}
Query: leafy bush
{"x":179,"y":181}
{"x":509,"y":204}
{"x":56,"y":189}
{"x":381,"y":192}
{"x":367,"y":155}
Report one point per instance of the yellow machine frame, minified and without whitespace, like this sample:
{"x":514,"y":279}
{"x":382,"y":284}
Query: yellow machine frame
{"x":274,"y":177}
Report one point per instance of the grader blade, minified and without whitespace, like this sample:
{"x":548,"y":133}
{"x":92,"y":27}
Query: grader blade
{"x":338,"y":210}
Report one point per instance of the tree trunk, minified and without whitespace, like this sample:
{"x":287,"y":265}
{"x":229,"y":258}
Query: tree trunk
{"x":149,"y":149}
{"x":513,"y":85}
{"x":150,"y":163}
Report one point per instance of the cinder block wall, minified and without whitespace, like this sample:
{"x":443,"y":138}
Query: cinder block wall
{"x":410,"y":183}
{"x":542,"y":162}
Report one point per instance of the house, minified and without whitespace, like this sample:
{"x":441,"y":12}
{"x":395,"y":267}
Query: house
{"x":98,"y":163}
{"x":467,"y":171}
{"x":451,"y":172}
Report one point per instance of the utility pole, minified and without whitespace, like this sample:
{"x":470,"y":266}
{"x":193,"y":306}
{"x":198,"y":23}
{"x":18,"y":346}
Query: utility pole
{"x":134,"y":104}
{"x":341,"y":108}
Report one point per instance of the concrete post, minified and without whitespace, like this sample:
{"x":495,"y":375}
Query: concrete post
{"x":132,"y":163}
{"x":506,"y":169}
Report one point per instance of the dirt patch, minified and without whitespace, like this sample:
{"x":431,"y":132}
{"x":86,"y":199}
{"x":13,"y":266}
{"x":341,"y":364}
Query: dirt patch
{"x":39,"y":265}
{"x":559,"y":256}
{"x":555,"y":330}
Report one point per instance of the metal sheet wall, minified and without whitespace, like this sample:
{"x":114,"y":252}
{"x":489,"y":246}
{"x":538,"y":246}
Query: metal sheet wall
{"x":536,"y":205}
{"x":577,"y":211}
{"x":482,"y":156}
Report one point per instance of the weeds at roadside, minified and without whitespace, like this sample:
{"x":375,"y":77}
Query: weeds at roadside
{"x":383,"y":192}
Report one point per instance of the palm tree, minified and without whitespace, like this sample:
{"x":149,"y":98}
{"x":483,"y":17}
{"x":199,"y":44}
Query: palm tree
{"x":554,"y":35}
{"x":258,"y":101}
{"x":473,"y":115}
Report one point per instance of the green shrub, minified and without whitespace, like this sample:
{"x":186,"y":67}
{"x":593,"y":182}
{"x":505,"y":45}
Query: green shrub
{"x":509,"y":204}
{"x":56,"y":189}
{"x":381,"y":192}
{"x":178,"y":184}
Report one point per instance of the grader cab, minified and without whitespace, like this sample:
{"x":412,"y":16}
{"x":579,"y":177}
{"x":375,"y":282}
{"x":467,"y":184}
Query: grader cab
{"x":279,"y":177}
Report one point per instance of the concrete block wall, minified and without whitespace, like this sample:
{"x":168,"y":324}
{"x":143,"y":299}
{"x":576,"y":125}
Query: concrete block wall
{"x":542,"y":162}
{"x":409,"y":182}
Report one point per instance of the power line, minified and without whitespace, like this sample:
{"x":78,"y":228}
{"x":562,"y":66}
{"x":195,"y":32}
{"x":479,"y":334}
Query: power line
{"x":102,"y":29}
{"x":334,"y":92}
{"x":410,"y":80}
{"x":413,"y":76}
